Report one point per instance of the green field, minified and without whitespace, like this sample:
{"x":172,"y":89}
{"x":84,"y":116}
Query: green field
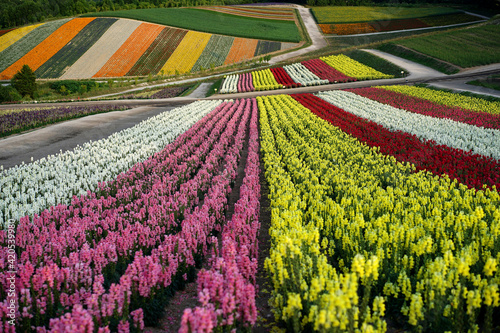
{"x":351,"y":14}
{"x":464,"y":48}
{"x":213,"y":22}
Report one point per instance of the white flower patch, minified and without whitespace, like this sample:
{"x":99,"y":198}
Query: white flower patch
{"x":28,"y":189}
{"x":454,"y":134}
{"x":300,"y":74}
{"x":230,"y":84}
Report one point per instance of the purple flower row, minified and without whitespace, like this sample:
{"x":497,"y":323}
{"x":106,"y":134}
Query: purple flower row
{"x":227,"y":290}
{"x":123,"y":221}
{"x":16,"y":122}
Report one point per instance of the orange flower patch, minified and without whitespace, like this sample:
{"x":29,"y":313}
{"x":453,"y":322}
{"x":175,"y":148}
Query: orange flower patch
{"x":129,"y":53}
{"x":242,"y":49}
{"x":46,"y":49}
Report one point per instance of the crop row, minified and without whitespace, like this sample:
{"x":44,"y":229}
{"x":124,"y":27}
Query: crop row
{"x":71,"y":52}
{"x":29,"y":189}
{"x":358,"y":234}
{"x":105,"y":47}
{"x":215,"y":53}
{"x":474,"y":170}
{"x":174,"y":200}
{"x":332,"y":69}
{"x":265,"y":13}
{"x":122,"y":61}
{"x":226,"y":291}
{"x":9,"y":37}
{"x":48,"y":47}
{"x":17,"y":50}
{"x":158,"y":52}
{"x":23,"y":120}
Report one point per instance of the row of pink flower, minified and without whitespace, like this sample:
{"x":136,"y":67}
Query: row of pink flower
{"x":227,"y":290}
{"x":245,"y":83}
{"x":326,"y":72}
{"x":112,"y":219}
{"x":81,"y":275}
{"x":426,"y":107}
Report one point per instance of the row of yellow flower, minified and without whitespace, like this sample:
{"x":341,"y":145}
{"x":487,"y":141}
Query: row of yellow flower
{"x":13,"y":36}
{"x":264,"y":80}
{"x":353,"y":68}
{"x":353,"y":232}
{"x":187,"y":53}
{"x":448,"y":98}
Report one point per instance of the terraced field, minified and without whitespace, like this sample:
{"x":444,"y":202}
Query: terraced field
{"x":89,"y":47}
{"x":358,"y":20}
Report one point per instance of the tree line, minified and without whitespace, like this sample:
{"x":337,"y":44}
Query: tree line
{"x":14,"y":13}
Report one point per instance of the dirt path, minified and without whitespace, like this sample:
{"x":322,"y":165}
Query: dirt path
{"x":317,"y":38}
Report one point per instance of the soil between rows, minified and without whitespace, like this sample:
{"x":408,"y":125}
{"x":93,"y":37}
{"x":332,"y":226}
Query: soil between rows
{"x":188,"y":298}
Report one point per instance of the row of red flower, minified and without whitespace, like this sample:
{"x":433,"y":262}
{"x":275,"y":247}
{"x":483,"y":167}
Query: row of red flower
{"x":470,"y":169}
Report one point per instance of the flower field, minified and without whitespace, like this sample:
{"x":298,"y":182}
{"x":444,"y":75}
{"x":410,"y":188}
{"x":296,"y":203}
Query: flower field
{"x":396,"y":24}
{"x":10,"y":37}
{"x":332,"y":69}
{"x":83,"y":48}
{"x":71,"y":52}
{"x":384,"y":210}
{"x":17,"y":50}
{"x":49,"y":47}
{"x":129,"y":52}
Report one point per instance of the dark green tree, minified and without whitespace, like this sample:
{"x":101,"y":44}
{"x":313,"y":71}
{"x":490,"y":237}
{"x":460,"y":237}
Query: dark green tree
{"x":25,"y":81}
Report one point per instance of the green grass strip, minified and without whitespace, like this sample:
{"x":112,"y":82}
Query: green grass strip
{"x":213,"y":22}
{"x":464,"y":48}
{"x":423,"y":59}
{"x":215,"y":53}
{"x":17,"y":50}
{"x":71,"y":52}
{"x":356,"y":14}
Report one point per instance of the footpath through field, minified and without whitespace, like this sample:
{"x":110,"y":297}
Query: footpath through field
{"x":317,"y":38}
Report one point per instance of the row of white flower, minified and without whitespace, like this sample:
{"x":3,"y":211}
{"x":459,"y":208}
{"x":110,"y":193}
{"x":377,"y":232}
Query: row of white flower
{"x":28,"y":189}
{"x":483,"y":141}
{"x":300,"y":74}
{"x":230,"y":84}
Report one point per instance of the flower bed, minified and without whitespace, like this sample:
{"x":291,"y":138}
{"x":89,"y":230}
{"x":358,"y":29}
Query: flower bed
{"x":300,"y":74}
{"x":426,"y":107}
{"x":17,"y":50}
{"x":448,"y":98}
{"x":46,"y":49}
{"x":468,"y":138}
{"x":10,"y":36}
{"x":473,"y":170}
{"x":174,"y":200}
{"x":283,"y":78}
{"x":360,"y":235}
{"x":153,"y":59}
{"x":354,"y":68}
{"x":264,"y":80}
{"x":187,"y":53}
{"x":29,"y":189}
{"x":325,"y":72}
{"x":241,"y":50}
{"x":215,"y":53}
{"x":130,"y":51}
{"x":227,"y":290}
{"x":71,"y":52}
